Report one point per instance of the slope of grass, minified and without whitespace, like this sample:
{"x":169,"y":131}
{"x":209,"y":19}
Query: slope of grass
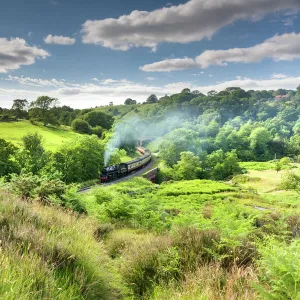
{"x":48,"y":253}
{"x":52,"y":137}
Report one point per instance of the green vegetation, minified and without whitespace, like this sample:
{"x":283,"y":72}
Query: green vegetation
{"x":52,"y":137}
{"x":50,"y":253}
{"x":223,"y":222}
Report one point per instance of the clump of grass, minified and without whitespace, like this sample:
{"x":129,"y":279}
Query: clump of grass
{"x":102,"y":231}
{"x":149,"y":263}
{"x":46,"y":252}
{"x":240,"y":179}
{"x":210,"y":281}
{"x":196,"y":247}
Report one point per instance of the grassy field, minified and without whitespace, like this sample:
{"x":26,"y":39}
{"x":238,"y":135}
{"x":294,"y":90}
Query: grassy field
{"x":52,"y":137}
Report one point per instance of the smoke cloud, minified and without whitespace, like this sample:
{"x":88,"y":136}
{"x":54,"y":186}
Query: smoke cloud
{"x":128,"y":132}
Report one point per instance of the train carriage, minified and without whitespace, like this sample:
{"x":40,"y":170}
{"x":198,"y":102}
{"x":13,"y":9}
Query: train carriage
{"x":123,"y":169}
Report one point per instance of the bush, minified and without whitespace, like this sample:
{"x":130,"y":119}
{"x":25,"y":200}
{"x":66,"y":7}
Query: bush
{"x":81,"y":126}
{"x":98,"y":130}
{"x":149,"y":264}
{"x":102,"y":196}
{"x":196,"y":247}
{"x":280,"y":269}
{"x":290,"y":181}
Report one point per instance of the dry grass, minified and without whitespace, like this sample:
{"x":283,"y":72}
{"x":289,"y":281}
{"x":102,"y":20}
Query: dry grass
{"x":211,"y":282}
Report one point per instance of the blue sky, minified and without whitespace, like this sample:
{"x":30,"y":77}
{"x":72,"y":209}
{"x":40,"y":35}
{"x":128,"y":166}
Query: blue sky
{"x":91,"y":52}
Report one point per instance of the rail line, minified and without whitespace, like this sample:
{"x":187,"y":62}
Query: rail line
{"x":131,"y":175}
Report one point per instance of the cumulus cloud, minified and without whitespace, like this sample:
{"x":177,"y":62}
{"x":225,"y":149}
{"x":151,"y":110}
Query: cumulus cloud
{"x":284,"y":47}
{"x":59,"y":40}
{"x":185,"y":23}
{"x":15,"y":52}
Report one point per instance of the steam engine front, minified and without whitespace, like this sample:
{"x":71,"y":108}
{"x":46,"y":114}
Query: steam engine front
{"x":123,"y":169}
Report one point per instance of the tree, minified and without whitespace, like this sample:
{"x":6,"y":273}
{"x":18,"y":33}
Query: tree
{"x":80,"y":160}
{"x":20,"y":107}
{"x":33,"y":157}
{"x":259,"y":139}
{"x":129,"y":101}
{"x":42,"y":106}
{"x":186,"y":91}
{"x":212,"y":93}
{"x":152,"y":99}
{"x":179,"y":140}
{"x":98,"y":118}
{"x":188,"y":167}
{"x":7,"y":162}
{"x":81,"y":126}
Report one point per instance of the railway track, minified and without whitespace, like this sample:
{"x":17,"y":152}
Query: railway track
{"x":132,"y":175}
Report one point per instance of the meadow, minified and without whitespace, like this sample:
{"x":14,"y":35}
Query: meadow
{"x":202,"y":239}
{"x":53,"y":137}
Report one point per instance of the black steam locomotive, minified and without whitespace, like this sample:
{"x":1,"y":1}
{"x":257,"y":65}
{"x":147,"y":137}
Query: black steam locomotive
{"x":123,"y":169}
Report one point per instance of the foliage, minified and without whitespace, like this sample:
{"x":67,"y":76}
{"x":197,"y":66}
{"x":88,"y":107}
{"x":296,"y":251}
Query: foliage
{"x":291,"y":181}
{"x":33,"y":156}
{"x":188,"y":167}
{"x":41,"y":110}
{"x":96,"y":118}
{"x":81,"y":126}
{"x":152,"y":99}
{"x":279,"y":267}
{"x":80,"y":160}
{"x":129,"y":101}
{"x":7,"y":163}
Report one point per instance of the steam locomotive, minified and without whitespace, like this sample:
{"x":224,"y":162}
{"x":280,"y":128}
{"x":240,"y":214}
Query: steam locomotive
{"x":123,"y":169}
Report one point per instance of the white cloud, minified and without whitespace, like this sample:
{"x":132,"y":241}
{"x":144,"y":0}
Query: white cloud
{"x":150,"y":78}
{"x":59,"y":40}
{"x":36,"y":81}
{"x":15,"y":52}
{"x":185,"y":23}
{"x":284,"y":47}
{"x":90,"y":95}
{"x":279,"y":76}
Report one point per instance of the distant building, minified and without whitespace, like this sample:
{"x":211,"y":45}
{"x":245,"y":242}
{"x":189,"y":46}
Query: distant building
{"x":111,"y":104}
{"x":281,"y":97}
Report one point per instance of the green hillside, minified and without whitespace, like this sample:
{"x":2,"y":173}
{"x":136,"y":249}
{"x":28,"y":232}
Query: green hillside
{"x":52,"y":137}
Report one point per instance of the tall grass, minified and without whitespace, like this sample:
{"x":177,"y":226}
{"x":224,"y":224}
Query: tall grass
{"x":48,"y":253}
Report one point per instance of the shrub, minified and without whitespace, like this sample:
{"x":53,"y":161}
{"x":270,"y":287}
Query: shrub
{"x":98,"y":130}
{"x":293,"y":222}
{"x":196,"y":247}
{"x":103,"y":230}
{"x":102,"y":196}
{"x":150,"y":263}
{"x":280,"y":269}
{"x":81,"y":126}
{"x":290,"y":181}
